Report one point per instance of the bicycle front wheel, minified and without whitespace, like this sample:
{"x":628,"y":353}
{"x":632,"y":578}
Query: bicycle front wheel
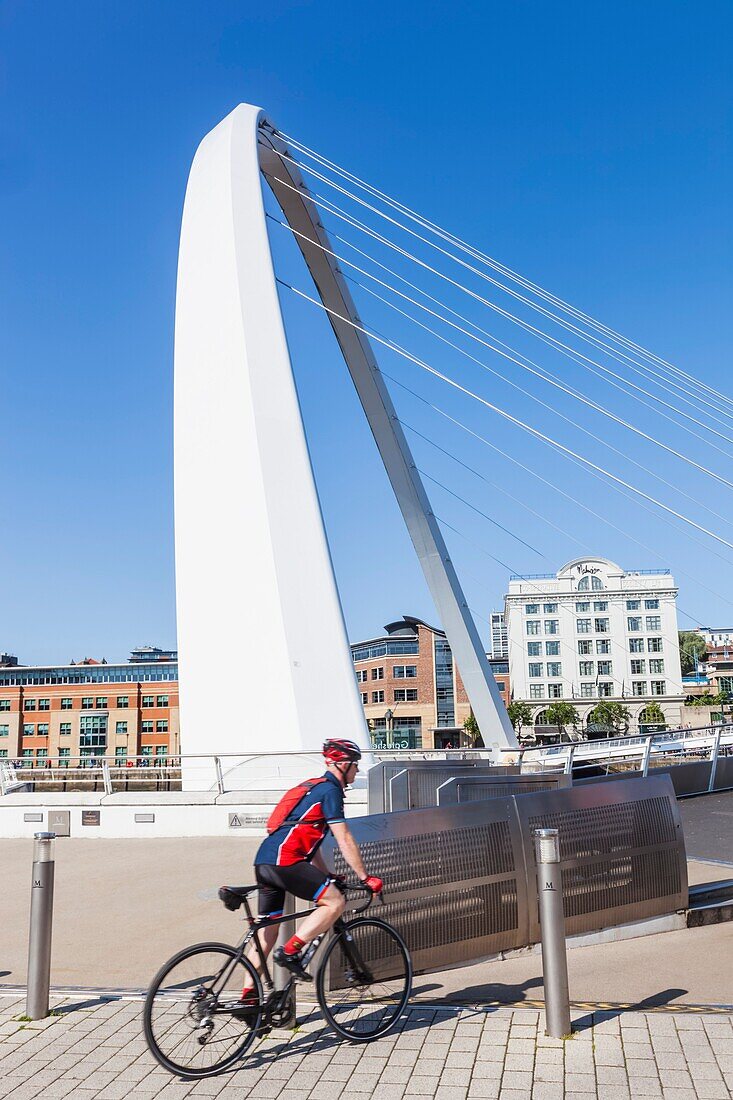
{"x":364,"y":981}
{"x":193,"y":1020}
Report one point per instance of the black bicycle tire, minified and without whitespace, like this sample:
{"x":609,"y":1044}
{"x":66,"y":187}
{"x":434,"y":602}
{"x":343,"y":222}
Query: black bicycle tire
{"x":210,"y":1071}
{"x":321,"y":977}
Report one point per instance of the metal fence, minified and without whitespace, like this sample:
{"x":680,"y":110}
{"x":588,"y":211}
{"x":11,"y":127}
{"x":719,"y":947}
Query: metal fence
{"x":461,"y":879}
{"x":472,"y":788}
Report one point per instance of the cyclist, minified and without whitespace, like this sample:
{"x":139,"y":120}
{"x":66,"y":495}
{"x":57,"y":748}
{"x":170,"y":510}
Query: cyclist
{"x":288,"y":861}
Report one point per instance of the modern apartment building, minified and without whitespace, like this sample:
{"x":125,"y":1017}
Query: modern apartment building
{"x":595,"y":631}
{"x":90,"y":709}
{"x":499,"y":640}
{"x":411,"y":690}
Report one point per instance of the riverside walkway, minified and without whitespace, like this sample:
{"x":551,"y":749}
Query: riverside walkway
{"x":93,"y":1048}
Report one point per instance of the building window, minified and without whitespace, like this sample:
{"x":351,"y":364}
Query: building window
{"x":161,"y":726}
{"x":633,"y":623}
{"x":87,"y":703}
{"x":64,"y":754}
{"x":27,"y":752}
{"x":552,"y":626}
{"x":582,"y":626}
{"x":3,"y":753}
{"x":148,"y":701}
{"x":4,"y":704}
{"x":586,"y":691}
{"x":550,"y":608}
{"x":364,"y":697}
{"x":161,"y":750}
{"x":121,"y":752}
{"x":101,"y":702}
{"x":638,"y":687}
{"x":658,"y":687}
{"x":594,"y":583}
{"x":633,"y":605}
{"x":66,"y":703}
{"x":28,"y":729}
{"x":654,"y":645}
{"x":29,"y":704}
{"x":656,"y":666}
{"x":65,"y":729}
{"x":123,"y":701}
{"x":581,"y":606}
{"x":605,"y":689}
{"x":405,"y":695}
{"x":361,"y":675}
{"x":586,"y":668}
{"x":651,"y":605}
{"x":533,"y":626}
{"x":601,"y":626}
{"x":554,"y":691}
{"x":636,"y":645}
{"x":4,"y":731}
{"x":92,"y":733}
{"x":378,"y":673}
{"x":654,"y":622}
{"x":600,"y":605}
{"x":534,"y":649}
{"x":603,"y":645}
{"x":535,"y":670}
{"x":638,"y":668}
{"x":41,"y":754}
{"x":536,"y":691}
{"x":554,"y":668}
{"x":146,"y":726}
{"x":146,"y":750}
{"x":552,"y":649}
{"x":585,"y":648}
{"x":377,"y":696}
{"x":604,"y":668}
{"x":532,"y":609}
{"x":404,"y":672}
{"x":162,"y":700}
{"x":121,"y":728}
{"x":44,"y":704}
{"x":43,"y":729}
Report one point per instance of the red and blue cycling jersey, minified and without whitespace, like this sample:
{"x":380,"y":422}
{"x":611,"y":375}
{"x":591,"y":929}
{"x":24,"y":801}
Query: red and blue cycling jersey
{"x":300,"y":837}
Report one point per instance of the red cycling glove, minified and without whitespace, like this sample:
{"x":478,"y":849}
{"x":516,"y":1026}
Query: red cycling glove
{"x":374,"y":883}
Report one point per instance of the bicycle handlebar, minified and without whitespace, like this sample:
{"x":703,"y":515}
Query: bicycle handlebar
{"x":359,"y":887}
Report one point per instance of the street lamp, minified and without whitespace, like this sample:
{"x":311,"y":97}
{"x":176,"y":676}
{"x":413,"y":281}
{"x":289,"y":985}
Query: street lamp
{"x":388,"y":716}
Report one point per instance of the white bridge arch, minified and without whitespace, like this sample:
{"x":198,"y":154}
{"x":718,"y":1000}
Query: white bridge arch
{"x":254,"y":578}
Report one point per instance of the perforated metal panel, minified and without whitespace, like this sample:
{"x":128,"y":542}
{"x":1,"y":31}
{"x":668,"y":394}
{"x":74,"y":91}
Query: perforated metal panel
{"x":622,"y":851}
{"x":379,"y":776}
{"x":475,"y":789}
{"x":460,"y":881}
{"x":451,"y":883}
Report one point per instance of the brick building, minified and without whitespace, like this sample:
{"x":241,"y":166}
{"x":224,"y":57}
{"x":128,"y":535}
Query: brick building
{"x":90,"y":709}
{"x":411,"y":690}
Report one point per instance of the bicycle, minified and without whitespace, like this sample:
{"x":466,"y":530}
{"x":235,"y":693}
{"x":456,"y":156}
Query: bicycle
{"x":196,"y":1024}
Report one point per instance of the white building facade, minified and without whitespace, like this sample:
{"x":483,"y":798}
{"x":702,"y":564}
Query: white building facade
{"x":593,"y":631}
{"x":499,"y":640}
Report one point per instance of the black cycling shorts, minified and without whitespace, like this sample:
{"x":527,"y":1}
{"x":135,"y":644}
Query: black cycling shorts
{"x":302,"y":879}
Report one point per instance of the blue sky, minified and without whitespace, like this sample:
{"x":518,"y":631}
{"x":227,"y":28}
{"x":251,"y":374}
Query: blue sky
{"x":586,"y":146}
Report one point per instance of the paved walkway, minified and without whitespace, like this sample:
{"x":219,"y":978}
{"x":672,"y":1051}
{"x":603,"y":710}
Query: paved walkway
{"x":95,"y":1049}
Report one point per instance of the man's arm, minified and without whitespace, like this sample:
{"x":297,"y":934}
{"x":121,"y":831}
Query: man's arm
{"x":349,"y":848}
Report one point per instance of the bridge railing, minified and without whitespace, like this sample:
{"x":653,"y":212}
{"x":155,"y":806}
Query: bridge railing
{"x":697,"y":759}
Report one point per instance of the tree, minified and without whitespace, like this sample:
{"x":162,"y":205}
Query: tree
{"x":652,"y":715}
{"x":520,"y":714}
{"x":692,"y":647}
{"x":607,"y":713}
{"x":470,"y":725}
{"x":562,"y":714}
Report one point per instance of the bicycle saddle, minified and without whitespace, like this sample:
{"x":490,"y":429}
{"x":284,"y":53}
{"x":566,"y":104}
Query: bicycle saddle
{"x":233,"y":896}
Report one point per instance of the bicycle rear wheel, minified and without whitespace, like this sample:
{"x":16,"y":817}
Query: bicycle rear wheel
{"x":191,"y":1020}
{"x":364,"y":981}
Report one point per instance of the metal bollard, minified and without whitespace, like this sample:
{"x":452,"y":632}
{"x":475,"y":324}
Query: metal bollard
{"x":281,"y":976}
{"x":39,"y":941}
{"x":552,"y":925}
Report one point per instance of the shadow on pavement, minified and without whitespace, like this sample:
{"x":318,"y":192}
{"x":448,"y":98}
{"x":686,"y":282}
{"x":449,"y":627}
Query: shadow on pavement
{"x":94,"y":1002}
{"x":492,"y":993}
{"x":657,"y":1000}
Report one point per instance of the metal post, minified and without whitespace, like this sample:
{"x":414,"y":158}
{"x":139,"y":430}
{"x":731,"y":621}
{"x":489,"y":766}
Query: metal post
{"x":552,"y":925}
{"x":219,"y":775}
{"x":281,"y":976}
{"x":106,"y":777}
{"x":646,"y":756}
{"x":39,"y":942}
{"x":569,"y":760}
{"x":714,"y":754}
